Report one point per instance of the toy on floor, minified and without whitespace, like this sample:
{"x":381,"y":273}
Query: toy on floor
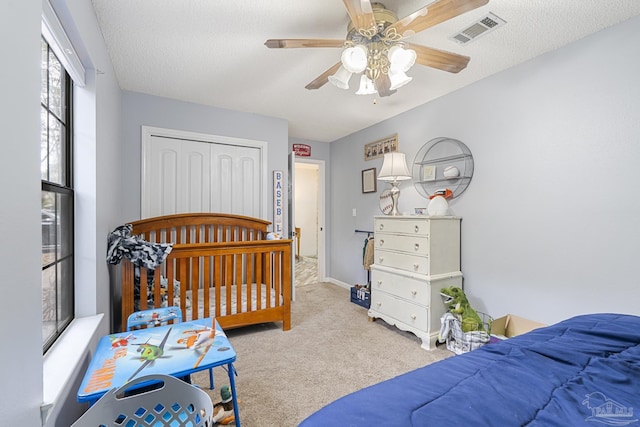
{"x":457,"y":303}
{"x":223,"y":410}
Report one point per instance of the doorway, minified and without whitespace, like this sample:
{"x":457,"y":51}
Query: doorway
{"x":309,"y":217}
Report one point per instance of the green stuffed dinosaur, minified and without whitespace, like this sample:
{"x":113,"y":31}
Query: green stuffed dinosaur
{"x":457,"y":303}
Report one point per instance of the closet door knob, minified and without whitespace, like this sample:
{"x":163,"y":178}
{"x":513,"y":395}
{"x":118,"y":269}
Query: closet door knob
{"x":416,"y":246}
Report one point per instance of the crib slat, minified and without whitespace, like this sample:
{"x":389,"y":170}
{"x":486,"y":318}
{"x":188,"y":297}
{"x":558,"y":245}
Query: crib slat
{"x":143,"y":288}
{"x":127,"y":302}
{"x":238,"y":282}
{"x":182,"y":268}
{"x":250,"y":281}
{"x":171,"y":285}
{"x":207,"y":281}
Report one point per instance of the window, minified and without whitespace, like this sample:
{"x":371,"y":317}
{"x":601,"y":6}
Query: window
{"x":57,"y":197}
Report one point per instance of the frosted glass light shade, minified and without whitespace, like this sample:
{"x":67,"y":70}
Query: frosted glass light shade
{"x":354,"y":59}
{"x":401,"y":58}
{"x":398,"y":78}
{"x":394,"y":168}
{"x":366,"y":86}
{"x":341,"y":78}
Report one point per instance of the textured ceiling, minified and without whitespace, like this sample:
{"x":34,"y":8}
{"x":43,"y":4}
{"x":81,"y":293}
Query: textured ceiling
{"x":212,"y":52}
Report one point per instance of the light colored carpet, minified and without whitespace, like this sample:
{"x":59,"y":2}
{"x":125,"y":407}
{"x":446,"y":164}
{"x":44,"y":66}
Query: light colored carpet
{"x":331,"y":350}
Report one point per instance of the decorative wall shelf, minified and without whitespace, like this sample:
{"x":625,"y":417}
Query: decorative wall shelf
{"x":436,"y":157}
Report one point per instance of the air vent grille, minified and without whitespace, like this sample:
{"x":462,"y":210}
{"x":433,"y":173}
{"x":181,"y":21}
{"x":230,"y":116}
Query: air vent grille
{"x":483,"y":26}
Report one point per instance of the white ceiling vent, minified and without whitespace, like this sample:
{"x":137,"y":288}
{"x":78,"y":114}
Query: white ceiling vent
{"x":483,"y":26}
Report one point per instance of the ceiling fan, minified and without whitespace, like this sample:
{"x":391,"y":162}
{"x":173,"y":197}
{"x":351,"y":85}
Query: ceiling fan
{"x":375,"y":45}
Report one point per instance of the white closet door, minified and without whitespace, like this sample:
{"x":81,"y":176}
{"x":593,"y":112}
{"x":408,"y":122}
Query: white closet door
{"x":236,"y":180}
{"x":185,"y":172}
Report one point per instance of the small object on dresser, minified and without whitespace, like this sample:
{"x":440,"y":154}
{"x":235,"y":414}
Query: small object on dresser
{"x":360,"y":295}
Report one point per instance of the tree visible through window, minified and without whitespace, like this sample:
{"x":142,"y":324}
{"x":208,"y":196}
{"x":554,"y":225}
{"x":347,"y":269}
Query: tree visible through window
{"x":57,"y":197}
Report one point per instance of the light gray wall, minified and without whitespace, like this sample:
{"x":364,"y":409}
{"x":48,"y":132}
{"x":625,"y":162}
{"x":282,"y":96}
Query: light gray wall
{"x":550,"y":220}
{"x":146,"y":110}
{"x":19,"y":213}
{"x":20,"y":22}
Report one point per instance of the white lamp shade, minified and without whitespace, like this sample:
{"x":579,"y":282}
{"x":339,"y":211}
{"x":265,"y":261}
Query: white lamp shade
{"x":354,"y":59}
{"x":401,"y":58}
{"x":366,"y":86}
{"x":341,"y":78}
{"x":394,"y":168}
{"x":398,"y":78}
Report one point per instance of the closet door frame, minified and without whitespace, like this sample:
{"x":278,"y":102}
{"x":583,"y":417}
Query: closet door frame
{"x":148,"y":132}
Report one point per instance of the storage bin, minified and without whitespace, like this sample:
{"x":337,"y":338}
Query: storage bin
{"x":361,"y":296}
{"x":168,"y":401}
{"x":462,"y":342}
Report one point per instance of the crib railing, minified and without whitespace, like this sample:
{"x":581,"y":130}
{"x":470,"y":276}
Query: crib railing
{"x":230,"y":272}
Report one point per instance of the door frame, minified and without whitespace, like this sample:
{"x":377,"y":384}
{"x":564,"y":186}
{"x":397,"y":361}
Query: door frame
{"x":321,"y":214}
{"x":147,"y":132}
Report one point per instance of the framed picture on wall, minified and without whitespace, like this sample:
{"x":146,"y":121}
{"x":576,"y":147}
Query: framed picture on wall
{"x":378,"y":148}
{"x":369,"y":180}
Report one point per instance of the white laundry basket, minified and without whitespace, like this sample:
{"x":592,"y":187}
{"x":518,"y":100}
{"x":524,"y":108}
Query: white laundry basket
{"x":173,"y":403}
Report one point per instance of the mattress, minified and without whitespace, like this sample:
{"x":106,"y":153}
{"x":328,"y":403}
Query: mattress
{"x":582,"y":371}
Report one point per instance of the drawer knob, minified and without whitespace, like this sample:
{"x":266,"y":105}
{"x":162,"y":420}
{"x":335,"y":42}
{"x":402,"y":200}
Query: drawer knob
{"x":381,"y":242}
{"x":417,"y":229}
{"x":416,"y":246}
{"x":415,"y":266}
{"x":380,"y":260}
{"x":381,"y":227}
{"x":413,"y":317}
{"x":379,"y":304}
{"x":414,"y":292}
{"x":379,"y":282}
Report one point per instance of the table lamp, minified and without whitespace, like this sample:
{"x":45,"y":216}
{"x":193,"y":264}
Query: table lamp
{"x":394,"y":169}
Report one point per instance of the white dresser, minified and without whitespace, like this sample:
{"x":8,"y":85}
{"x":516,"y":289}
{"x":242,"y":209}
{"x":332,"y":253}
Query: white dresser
{"x":414,"y":258}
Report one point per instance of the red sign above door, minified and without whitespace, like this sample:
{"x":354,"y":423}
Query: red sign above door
{"x":302,"y":150}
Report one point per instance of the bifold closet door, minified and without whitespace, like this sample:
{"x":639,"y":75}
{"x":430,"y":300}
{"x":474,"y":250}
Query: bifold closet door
{"x":181,"y":175}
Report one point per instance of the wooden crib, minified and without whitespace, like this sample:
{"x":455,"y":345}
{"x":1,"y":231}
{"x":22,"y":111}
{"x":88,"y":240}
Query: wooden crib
{"x":221,"y":266}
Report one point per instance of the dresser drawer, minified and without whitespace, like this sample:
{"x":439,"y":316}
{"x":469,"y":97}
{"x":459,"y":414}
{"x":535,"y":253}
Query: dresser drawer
{"x":416,"y":245}
{"x":412,"y":263}
{"x":412,"y":226}
{"x":409,"y":288}
{"x":404,"y":311}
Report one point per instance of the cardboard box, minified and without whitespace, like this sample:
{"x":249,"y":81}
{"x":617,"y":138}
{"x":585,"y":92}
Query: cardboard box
{"x":510,"y":326}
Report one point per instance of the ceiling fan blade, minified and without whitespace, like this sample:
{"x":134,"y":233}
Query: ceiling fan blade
{"x":291,"y":43}
{"x":383,"y":85}
{"x":362,"y":18}
{"x":323,"y":78}
{"x":440,"y":59}
{"x":433,"y":14}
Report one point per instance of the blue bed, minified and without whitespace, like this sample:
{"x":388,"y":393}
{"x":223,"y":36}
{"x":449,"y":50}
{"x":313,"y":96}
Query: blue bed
{"x":581,"y":371}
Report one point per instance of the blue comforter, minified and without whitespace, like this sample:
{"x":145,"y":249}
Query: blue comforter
{"x":582,"y":371}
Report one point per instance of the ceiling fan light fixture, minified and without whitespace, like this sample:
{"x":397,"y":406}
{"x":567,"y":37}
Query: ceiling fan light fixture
{"x":341,"y":78}
{"x":398,"y":78}
{"x":366,"y":86}
{"x":402,"y":58}
{"x":354,"y":59}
